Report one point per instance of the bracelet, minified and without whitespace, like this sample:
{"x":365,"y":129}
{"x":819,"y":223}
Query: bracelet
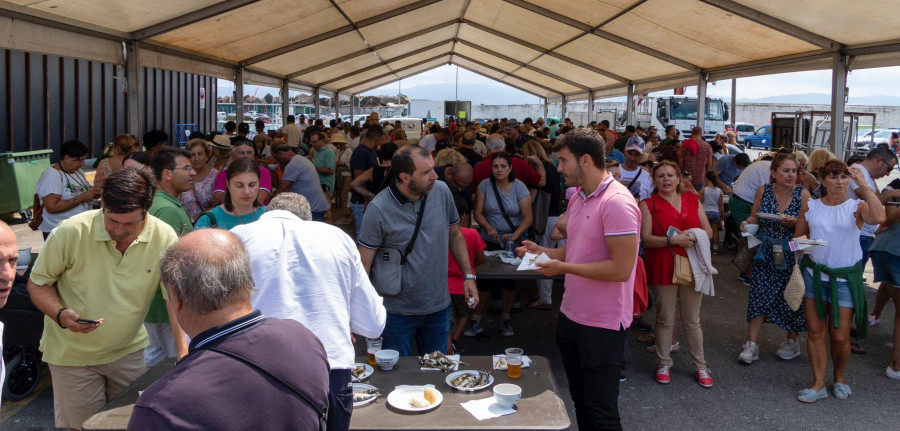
{"x":59,"y":313}
{"x":668,"y":241}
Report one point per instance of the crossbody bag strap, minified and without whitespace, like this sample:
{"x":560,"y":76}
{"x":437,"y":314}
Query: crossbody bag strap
{"x":412,"y":240}
{"x":512,"y":227}
{"x":634,"y":180}
{"x":321,"y":410}
{"x":653,"y":216}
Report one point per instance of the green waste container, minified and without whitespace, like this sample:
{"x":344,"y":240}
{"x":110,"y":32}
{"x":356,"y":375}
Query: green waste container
{"x":19,"y":174}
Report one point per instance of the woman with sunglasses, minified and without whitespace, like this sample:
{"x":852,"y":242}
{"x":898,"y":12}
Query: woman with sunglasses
{"x":774,"y":262}
{"x":833,"y":273}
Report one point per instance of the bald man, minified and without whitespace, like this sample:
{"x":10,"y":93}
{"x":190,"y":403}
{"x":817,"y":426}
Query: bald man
{"x":209,"y":279}
{"x":459,"y":179}
{"x":9,"y":254}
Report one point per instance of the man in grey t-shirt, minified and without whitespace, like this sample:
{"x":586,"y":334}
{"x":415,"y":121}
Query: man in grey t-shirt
{"x":422,"y":308}
{"x":300,"y":177}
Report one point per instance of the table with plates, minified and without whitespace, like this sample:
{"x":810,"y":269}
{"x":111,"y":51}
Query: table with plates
{"x":540,"y":408}
{"x":495,"y":269}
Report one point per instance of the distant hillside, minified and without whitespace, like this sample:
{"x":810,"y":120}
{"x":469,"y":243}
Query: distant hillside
{"x":825,"y":99}
{"x":477,"y":93}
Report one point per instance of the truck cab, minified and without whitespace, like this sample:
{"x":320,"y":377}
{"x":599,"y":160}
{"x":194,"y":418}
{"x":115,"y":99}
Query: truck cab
{"x":681,"y":112}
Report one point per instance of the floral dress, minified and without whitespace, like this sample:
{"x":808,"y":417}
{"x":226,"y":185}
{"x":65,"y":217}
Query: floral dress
{"x":768,"y":282}
{"x":200,"y":199}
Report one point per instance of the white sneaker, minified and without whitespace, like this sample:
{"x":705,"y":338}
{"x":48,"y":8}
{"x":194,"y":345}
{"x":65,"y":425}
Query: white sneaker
{"x":750,"y":353}
{"x":790,"y":349}
{"x":891,"y":373}
{"x":474,"y":330}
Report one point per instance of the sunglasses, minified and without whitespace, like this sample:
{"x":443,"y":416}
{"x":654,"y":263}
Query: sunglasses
{"x":685,"y":174}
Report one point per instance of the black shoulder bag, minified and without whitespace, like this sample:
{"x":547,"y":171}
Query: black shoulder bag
{"x":387,"y":266}
{"x":322,"y":411}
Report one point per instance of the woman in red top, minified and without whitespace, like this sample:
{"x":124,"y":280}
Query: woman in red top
{"x":669,"y":207}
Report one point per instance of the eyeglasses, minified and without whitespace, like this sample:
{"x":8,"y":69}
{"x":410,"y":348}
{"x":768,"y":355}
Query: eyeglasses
{"x":186,"y":168}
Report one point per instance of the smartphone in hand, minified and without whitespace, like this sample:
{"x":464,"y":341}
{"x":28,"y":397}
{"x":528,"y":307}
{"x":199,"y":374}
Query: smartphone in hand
{"x":87,"y":321}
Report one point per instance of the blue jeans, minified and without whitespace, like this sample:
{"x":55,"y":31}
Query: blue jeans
{"x":340,"y":400}
{"x":318,"y":215}
{"x":430,"y":331}
{"x":865,"y":242}
{"x":357,"y":210}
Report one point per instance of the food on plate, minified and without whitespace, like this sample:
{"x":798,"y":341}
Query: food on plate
{"x":426,"y":399}
{"x":437,"y":361}
{"x":501,"y":363}
{"x":365,"y":394}
{"x":358,"y":371}
{"x":471,"y":380}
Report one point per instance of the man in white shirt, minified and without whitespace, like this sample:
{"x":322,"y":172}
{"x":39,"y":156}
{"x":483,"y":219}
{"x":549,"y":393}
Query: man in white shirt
{"x":751,"y":179}
{"x":9,"y":254}
{"x":311,"y":272}
{"x":292,"y":133}
{"x":878,"y":164}
{"x":430,"y":140}
{"x":302,"y":122}
{"x":632,"y":176}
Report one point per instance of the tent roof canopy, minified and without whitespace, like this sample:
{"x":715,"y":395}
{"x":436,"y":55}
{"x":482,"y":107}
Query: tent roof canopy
{"x":548,"y":48}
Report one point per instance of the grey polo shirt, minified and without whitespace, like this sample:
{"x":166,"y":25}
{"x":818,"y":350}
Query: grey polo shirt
{"x":389,"y":220}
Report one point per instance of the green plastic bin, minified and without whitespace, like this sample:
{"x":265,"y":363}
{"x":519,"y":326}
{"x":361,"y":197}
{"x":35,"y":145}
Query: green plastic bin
{"x":19,"y":174}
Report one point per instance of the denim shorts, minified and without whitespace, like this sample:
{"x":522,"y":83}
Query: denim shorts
{"x":887,"y":267}
{"x":713,"y":217}
{"x":843,"y":290}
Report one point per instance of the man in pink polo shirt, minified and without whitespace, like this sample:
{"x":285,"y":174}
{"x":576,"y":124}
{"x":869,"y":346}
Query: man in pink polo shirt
{"x":599,"y":262}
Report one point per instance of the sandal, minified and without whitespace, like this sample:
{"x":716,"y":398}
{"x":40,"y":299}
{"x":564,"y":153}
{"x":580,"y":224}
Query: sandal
{"x":856,"y":348}
{"x":538,"y":305}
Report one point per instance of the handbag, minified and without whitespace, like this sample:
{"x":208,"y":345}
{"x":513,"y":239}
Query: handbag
{"x":743,"y":260}
{"x":387,"y":266}
{"x":795,"y":288}
{"x":682,"y":274}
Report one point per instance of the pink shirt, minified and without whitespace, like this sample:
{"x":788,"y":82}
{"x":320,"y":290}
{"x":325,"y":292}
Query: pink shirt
{"x":265,"y":181}
{"x":603,"y":304}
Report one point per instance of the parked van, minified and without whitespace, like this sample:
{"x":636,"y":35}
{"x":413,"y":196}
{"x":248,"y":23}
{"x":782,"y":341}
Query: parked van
{"x":743,"y":130}
{"x":412,"y":127}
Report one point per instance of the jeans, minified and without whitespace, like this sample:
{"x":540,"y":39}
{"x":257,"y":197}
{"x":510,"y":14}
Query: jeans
{"x":593,"y":358}
{"x":865,"y":242}
{"x":340,"y":400}
{"x":357,"y":210}
{"x":430,"y":331}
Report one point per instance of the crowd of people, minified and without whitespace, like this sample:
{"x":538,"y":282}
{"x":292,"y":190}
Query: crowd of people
{"x":240,"y":234}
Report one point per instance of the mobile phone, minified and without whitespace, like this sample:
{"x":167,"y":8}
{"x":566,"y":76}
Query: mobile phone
{"x":672,"y":231}
{"x":87,"y":321}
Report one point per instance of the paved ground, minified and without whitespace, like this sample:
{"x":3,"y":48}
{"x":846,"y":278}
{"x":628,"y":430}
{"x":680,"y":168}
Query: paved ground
{"x":761,"y":396}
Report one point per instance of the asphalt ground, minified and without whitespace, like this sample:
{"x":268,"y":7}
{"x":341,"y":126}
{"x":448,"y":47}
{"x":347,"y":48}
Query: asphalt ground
{"x":756,"y":397}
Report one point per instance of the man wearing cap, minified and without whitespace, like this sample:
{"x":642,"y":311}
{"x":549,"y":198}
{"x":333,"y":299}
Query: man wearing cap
{"x":221,"y":147}
{"x":292,"y":133}
{"x":512,"y":132}
{"x":637,"y":180}
{"x":243,"y":149}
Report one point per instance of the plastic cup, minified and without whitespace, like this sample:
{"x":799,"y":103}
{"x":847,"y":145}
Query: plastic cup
{"x":373,"y":346}
{"x":514,"y":362}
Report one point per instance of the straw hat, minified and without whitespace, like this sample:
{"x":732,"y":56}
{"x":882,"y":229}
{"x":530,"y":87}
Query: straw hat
{"x":221,"y":142}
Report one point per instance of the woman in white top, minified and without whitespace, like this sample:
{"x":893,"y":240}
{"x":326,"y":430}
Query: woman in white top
{"x":63,"y":189}
{"x":836,"y":219}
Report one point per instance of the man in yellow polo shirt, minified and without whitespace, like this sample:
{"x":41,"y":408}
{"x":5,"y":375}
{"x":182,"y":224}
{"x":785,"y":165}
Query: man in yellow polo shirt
{"x":94,"y":279}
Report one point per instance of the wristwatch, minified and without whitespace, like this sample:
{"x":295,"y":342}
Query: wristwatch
{"x":470,"y":277}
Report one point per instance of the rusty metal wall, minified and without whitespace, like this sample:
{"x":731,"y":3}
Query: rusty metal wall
{"x":46,"y":100}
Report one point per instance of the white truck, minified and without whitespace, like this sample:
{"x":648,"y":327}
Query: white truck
{"x":431,"y":110}
{"x":681,"y":112}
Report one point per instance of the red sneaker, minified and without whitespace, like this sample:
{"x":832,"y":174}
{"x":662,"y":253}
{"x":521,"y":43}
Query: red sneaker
{"x":704,"y":377}
{"x":662,"y":375}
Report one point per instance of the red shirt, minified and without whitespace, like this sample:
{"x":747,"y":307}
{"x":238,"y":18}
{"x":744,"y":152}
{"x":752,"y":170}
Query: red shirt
{"x":475,"y":245}
{"x":659,"y":261}
{"x":696,"y":164}
{"x":524,"y":171}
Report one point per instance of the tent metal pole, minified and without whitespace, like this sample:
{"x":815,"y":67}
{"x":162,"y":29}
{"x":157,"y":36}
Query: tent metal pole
{"x":316,"y":101}
{"x":239,"y":94}
{"x":546,"y":111}
{"x":701,"y":101}
{"x":135,"y":104}
{"x":590,"y":107}
{"x":629,"y":105}
{"x":838,"y":94}
{"x":285,"y":102}
{"x":734,"y":105}
{"x":563,"y":106}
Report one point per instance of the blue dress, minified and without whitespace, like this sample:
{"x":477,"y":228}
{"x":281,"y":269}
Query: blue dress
{"x":768,"y":282}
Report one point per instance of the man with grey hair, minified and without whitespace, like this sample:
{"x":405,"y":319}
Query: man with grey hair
{"x":532,"y":176}
{"x":311,"y":272}
{"x":421,"y":309}
{"x":242,"y":365}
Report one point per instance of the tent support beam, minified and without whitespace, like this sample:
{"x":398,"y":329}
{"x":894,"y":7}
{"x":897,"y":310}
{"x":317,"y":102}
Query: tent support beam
{"x":501,"y":82}
{"x":522,"y":64}
{"x":392,"y":59}
{"x":734,"y":106}
{"x":590,"y":106}
{"x":190,"y":18}
{"x":701,"y":101}
{"x":285,"y":101}
{"x":316,"y":102}
{"x":775,"y":24}
{"x":135,"y":104}
{"x":629,"y":105}
{"x":239,"y":94}
{"x":352,"y":105}
{"x":564,"y":102}
{"x":498,"y":70}
{"x":838,"y":94}
{"x":394,"y":72}
{"x":546,"y":111}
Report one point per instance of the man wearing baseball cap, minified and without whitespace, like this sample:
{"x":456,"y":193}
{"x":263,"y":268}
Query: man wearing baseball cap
{"x":637,"y":180}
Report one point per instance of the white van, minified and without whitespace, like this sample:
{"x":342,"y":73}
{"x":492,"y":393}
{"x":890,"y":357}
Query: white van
{"x":412,"y":127}
{"x":744,"y":130}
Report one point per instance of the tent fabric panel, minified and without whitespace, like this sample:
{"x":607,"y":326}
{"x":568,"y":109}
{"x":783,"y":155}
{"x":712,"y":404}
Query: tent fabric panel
{"x":361,"y":76}
{"x":314,"y":54}
{"x":424,"y":55}
{"x":484,"y":57}
{"x":121,"y":15}
{"x":357,"y":63}
{"x":618,"y":59}
{"x":409,"y":22}
{"x":256,"y":29}
{"x":573,"y":73}
{"x":666,"y":84}
{"x":722,"y":39}
{"x":258,"y":79}
{"x":159,"y":60}
{"x":590,"y":12}
{"x":358,"y":10}
{"x":477,"y":68}
{"x":16,"y":34}
{"x":848,"y":23}
{"x":365,"y":86}
{"x":520,"y":23}
{"x":546,"y":81}
{"x":877,"y":60}
{"x":496,"y":44}
{"x":516,"y":82}
{"x":401,"y":48}
{"x":799,"y":66}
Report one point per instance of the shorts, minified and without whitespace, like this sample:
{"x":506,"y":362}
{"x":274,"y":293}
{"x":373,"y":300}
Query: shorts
{"x":458,"y":306}
{"x":79,"y":392}
{"x":887,"y":267}
{"x":713,"y":217}
{"x":740,"y":209}
{"x":843,"y":290}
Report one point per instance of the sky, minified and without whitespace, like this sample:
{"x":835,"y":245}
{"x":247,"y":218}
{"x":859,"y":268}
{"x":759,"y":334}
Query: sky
{"x":478,"y":89}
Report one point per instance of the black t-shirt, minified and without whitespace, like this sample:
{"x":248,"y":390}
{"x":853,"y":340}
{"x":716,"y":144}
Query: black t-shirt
{"x":620,"y":143}
{"x":471,"y":155}
{"x":363,"y":159}
{"x":382,"y":177}
{"x":552,"y":187}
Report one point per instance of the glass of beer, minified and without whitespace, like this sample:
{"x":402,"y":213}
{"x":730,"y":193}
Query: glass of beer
{"x":514,"y":362}
{"x":373,"y":346}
